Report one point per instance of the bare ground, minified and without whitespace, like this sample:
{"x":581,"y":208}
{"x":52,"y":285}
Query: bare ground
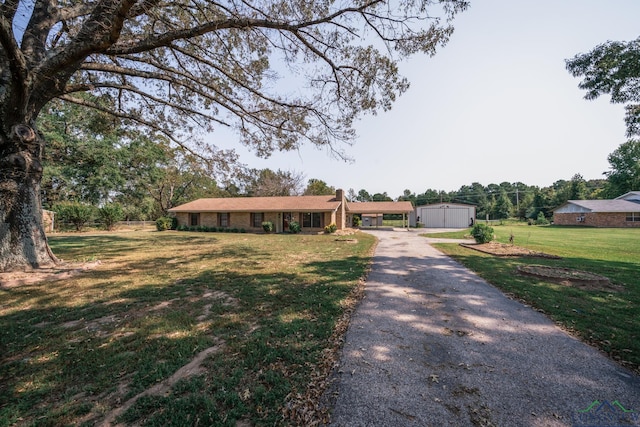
{"x":60,"y":271}
{"x":504,"y":249}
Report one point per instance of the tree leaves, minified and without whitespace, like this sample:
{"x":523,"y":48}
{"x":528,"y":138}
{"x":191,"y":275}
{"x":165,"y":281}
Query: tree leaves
{"x":181,"y":65}
{"x":612,"y":68}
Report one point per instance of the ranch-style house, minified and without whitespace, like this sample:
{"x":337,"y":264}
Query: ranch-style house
{"x":313,"y":213}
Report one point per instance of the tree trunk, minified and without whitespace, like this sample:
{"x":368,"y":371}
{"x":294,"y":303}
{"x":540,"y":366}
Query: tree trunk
{"x":23,"y":243}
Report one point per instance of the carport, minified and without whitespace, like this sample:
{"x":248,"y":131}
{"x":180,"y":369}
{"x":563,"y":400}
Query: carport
{"x":375,"y":210}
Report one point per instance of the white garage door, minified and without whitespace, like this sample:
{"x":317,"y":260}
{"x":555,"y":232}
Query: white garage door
{"x":445,"y":217}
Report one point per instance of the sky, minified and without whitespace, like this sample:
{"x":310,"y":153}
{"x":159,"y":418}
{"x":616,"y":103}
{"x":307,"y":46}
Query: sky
{"x":495,"y":104}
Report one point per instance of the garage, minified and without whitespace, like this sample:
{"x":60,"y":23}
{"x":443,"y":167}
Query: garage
{"x":446,"y":215}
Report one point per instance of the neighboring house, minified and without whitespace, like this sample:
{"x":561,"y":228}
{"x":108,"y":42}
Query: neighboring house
{"x":623,"y":211}
{"x":446,"y":215}
{"x":313,"y":213}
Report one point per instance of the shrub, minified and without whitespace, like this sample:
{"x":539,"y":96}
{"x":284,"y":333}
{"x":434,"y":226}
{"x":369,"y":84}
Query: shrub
{"x":294,"y":227}
{"x":357,"y":221}
{"x":242,"y":230}
{"x":235,"y":230}
{"x":164,"y":223}
{"x":110,"y":214}
{"x":331,"y":228}
{"x":482,"y":233}
{"x":541,"y":219}
{"x":75,"y":212}
{"x":267,"y":226}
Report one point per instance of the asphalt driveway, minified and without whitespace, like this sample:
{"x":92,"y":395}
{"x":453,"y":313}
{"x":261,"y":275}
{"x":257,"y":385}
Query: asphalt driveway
{"x":432,"y":344}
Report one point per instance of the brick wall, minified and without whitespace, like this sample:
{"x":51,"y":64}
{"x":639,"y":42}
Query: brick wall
{"x":243,"y":220}
{"x":340,"y":216}
{"x":595,"y":219}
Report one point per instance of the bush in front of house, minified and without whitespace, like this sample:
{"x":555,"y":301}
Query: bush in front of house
{"x":164,"y":223}
{"x":331,"y":228}
{"x":542,"y":220}
{"x":267,"y":226}
{"x":482,"y":233}
{"x":294,"y":227}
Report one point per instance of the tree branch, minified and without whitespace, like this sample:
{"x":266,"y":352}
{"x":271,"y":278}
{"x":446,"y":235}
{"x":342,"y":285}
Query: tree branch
{"x":138,"y":46}
{"x":126,"y":116}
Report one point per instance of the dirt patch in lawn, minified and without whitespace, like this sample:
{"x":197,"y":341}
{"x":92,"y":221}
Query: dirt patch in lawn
{"x":506,"y":250}
{"x":569,"y":277}
{"x":60,"y":271}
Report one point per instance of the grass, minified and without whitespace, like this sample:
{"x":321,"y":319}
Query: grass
{"x":266,"y":306}
{"x":605,"y":318}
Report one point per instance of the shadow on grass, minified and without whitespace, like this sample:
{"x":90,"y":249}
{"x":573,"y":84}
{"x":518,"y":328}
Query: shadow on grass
{"x":72,"y":350}
{"x":605,"y":317}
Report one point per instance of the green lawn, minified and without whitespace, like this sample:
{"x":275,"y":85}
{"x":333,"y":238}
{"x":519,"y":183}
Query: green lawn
{"x":266,"y":310}
{"x":606,"y":318}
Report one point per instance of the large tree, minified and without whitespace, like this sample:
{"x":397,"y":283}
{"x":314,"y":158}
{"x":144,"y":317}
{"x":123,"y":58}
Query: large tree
{"x":265,"y":182}
{"x":624,"y":173}
{"x":612,"y":68}
{"x":174,"y":66}
{"x":317,"y":187}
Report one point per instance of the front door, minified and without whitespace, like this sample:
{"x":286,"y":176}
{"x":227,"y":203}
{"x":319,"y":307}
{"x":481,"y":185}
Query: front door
{"x":286,"y":220}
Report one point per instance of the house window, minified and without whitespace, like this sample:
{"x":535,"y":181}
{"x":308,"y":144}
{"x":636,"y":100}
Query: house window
{"x":194,"y":219}
{"x":312,"y":219}
{"x":633,"y":217}
{"x":257,"y":219}
{"x":223,"y":219}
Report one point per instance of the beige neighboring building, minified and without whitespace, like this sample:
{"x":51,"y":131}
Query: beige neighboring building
{"x":623,"y":211}
{"x":313,"y":213}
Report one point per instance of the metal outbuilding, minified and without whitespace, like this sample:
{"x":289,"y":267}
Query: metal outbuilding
{"x":446,"y":215}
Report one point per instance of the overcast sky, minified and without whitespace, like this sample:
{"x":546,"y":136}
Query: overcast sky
{"x":496,"y":104}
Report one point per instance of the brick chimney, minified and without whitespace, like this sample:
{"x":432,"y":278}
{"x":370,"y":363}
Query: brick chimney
{"x":341,"y":215}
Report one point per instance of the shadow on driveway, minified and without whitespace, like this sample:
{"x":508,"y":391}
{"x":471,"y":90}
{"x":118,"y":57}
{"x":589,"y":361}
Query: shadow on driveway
{"x":432,"y":344}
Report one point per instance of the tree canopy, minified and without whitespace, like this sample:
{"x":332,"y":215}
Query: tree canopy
{"x":178,"y":66}
{"x":624,"y":173}
{"x":612,"y":68}
{"x":317,"y":187}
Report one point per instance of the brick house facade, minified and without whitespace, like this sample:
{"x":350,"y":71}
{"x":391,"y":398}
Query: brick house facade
{"x":623,"y":211}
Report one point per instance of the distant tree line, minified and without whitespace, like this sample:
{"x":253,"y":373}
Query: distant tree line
{"x":513,"y":200}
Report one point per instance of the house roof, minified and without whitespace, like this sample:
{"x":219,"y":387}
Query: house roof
{"x":631,"y":196}
{"x":604,"y":205}
{"x":379,"y":207}
{"x":290,"y":203}
{"x":261,"y":204}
